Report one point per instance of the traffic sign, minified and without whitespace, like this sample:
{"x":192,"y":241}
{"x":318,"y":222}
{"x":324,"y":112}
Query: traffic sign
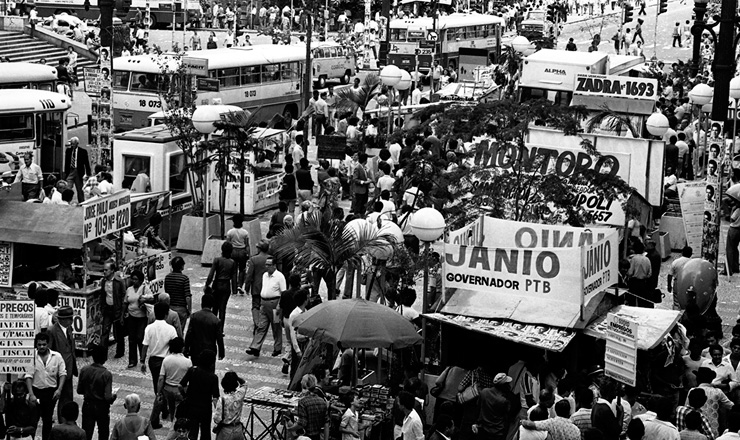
{"x":432,"y":36}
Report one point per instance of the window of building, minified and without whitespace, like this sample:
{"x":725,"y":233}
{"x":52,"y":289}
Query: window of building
{"x":178,"y":176}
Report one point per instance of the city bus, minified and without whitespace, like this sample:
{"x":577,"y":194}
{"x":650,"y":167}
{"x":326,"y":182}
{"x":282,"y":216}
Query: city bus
{"x":463,"y":42}
{"x":28,"y":76}
{"x":265,"y":77}
{"x":160,"y":12}
{"x":32,"y":121}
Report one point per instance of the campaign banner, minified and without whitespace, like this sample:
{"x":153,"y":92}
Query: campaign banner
{"x":469,"y":235}
{"x":106,"y":215}
{"x":600,"y":266}
{"x":713,"y":193}
{"x":601,"y":211}
{"x":538,"y":273}
{"x":613,"y":86}
{"x":514,"y":234}
{"x":548,"y":159}
{"x":79,"y":320}
{"x":691,"y":196}
{"x":17,"y":331}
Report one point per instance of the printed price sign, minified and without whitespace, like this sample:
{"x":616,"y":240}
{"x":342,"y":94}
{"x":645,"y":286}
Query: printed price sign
{"x":620,"y":358}
{"x":17,"y":331}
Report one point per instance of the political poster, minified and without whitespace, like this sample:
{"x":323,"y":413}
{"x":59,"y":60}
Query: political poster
{"x":712,"y":197}
{"x":691,"y":196}
{"x":158,"y":268}
{"x":79,"y":321}
{"x":600,"y":266}
{"x":6,"y":264}
{"x":17,"y":331}
{"x":106,"y":215}
{"x":613,"y":86}
{"x":537,"y":273}
{"x":620,"y":358}
{"x":99,"y":86}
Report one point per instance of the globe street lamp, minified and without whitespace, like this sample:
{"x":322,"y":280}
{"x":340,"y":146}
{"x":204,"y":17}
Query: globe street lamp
{"x":657,"y":124}
{"x":702,"y":95}
{"x":403,"y":85}
{"x":390,"y":76}
{"x":521,"y":45}
{"x":428,"y":225}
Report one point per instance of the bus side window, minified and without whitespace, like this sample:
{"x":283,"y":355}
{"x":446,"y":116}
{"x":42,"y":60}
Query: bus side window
{"x":121,"y":79}
{"x":333,"y":52}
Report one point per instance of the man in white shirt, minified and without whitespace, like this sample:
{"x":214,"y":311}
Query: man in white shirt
{"x":321,"y":115}
{"x":30,"y":177}
{"x":297,"y":342}
{"x":157,"y":337}
{"x":658,"y":426}
{"x":46,"y":383}
{"x":273,"y":284}
{"x":725,"y":378}
{"x":412,"y":428}
{"x":416,"y":94}
{"x":174,"y":367}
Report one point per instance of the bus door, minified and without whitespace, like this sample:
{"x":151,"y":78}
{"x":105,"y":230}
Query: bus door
{"x":50,"y":139}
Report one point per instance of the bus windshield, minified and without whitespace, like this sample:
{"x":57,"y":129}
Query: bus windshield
{"x":16,"y":127}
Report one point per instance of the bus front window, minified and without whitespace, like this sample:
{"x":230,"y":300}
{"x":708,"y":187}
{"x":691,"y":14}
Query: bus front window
{"x":16,"y":127}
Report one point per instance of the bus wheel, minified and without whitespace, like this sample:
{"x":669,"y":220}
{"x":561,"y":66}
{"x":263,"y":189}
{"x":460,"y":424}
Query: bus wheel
{"x":152,"y":21}
{"x":322,"y":82}
{"x":290,"y":112}
{"x":345,"y":78}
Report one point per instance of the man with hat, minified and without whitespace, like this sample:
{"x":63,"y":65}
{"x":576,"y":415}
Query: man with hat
{"x":76,"y":167}
{"x":256,"y":267}
{"x":716,"y":398}
{"x":61,"y":341}
{"x":239,"y":239}
{"x":498,"y":409}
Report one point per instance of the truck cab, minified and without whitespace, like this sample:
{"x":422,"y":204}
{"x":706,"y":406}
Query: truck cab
{"x":535,"y":25}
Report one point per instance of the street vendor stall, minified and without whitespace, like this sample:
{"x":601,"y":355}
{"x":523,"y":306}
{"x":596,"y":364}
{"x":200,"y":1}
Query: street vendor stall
{"x":46,"y":243}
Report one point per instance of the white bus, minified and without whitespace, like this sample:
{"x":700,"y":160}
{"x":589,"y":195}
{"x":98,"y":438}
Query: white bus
{"x":266,"y":76}
{"x":160,"y":12}
{"x":464,"y":41}
{"x":32,"y":121}
{"x":330,"y":60}
{"x":28,"y":76}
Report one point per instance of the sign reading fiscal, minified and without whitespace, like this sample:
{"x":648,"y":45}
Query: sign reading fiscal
{"x":620,"y":359}
{"x":616,"y":86}
{"x":17,"y":331}
{"x":106,"y":215}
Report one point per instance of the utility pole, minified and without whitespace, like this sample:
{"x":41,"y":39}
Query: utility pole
{"x":308,"y":74}
{"x":106,"y":22}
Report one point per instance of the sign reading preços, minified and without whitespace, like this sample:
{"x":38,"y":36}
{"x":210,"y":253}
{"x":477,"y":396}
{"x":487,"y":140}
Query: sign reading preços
{"x":106,"y":215}
{"x":616,"y":86}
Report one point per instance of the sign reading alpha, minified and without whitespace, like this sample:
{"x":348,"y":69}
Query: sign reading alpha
{"x":619,"y":86}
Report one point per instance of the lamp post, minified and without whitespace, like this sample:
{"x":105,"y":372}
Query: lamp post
{"x":700,"y":8}
{"x":403,"y":85}
{"x":522,"y":46}
{"x":428,"y":225}
{"x":701,"y":95}
{"x":390,"y":76}
{"x":735,"y":95}
{"x":203,"y":119}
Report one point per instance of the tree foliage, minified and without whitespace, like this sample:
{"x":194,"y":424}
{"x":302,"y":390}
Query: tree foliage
{"x":500,"y":174}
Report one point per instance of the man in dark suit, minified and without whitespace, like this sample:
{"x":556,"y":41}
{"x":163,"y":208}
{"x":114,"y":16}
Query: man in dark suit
{"x":443,"y":429}
{"x":204,"y":331}
{"x":256,"y":267}
{"x":111,"y":293}
{"x":61,"y":340}
{"x":76,"y":167}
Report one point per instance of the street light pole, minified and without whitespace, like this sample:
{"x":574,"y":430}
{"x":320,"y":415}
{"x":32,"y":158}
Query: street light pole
{"x":724,"y":60}
{"x":700,"y":8}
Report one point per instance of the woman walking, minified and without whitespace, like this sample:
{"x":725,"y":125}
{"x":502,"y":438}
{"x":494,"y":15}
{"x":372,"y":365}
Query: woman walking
{"x":222,"y":279}
{"x":137,"y":295}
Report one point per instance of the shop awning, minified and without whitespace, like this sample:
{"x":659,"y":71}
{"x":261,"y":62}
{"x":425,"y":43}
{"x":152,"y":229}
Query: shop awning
{"x":539,"y":336}
{"x":480,"y":305}
{"x":617,"y":105}
{"x":653,"y":324}
{"x":41,"y":224}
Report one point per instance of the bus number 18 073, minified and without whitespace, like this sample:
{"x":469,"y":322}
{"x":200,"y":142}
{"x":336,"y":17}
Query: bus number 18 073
{"x":152,"y":103}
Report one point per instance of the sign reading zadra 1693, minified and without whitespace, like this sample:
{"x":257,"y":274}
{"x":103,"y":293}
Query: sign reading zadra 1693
{"x":616,"y":86}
